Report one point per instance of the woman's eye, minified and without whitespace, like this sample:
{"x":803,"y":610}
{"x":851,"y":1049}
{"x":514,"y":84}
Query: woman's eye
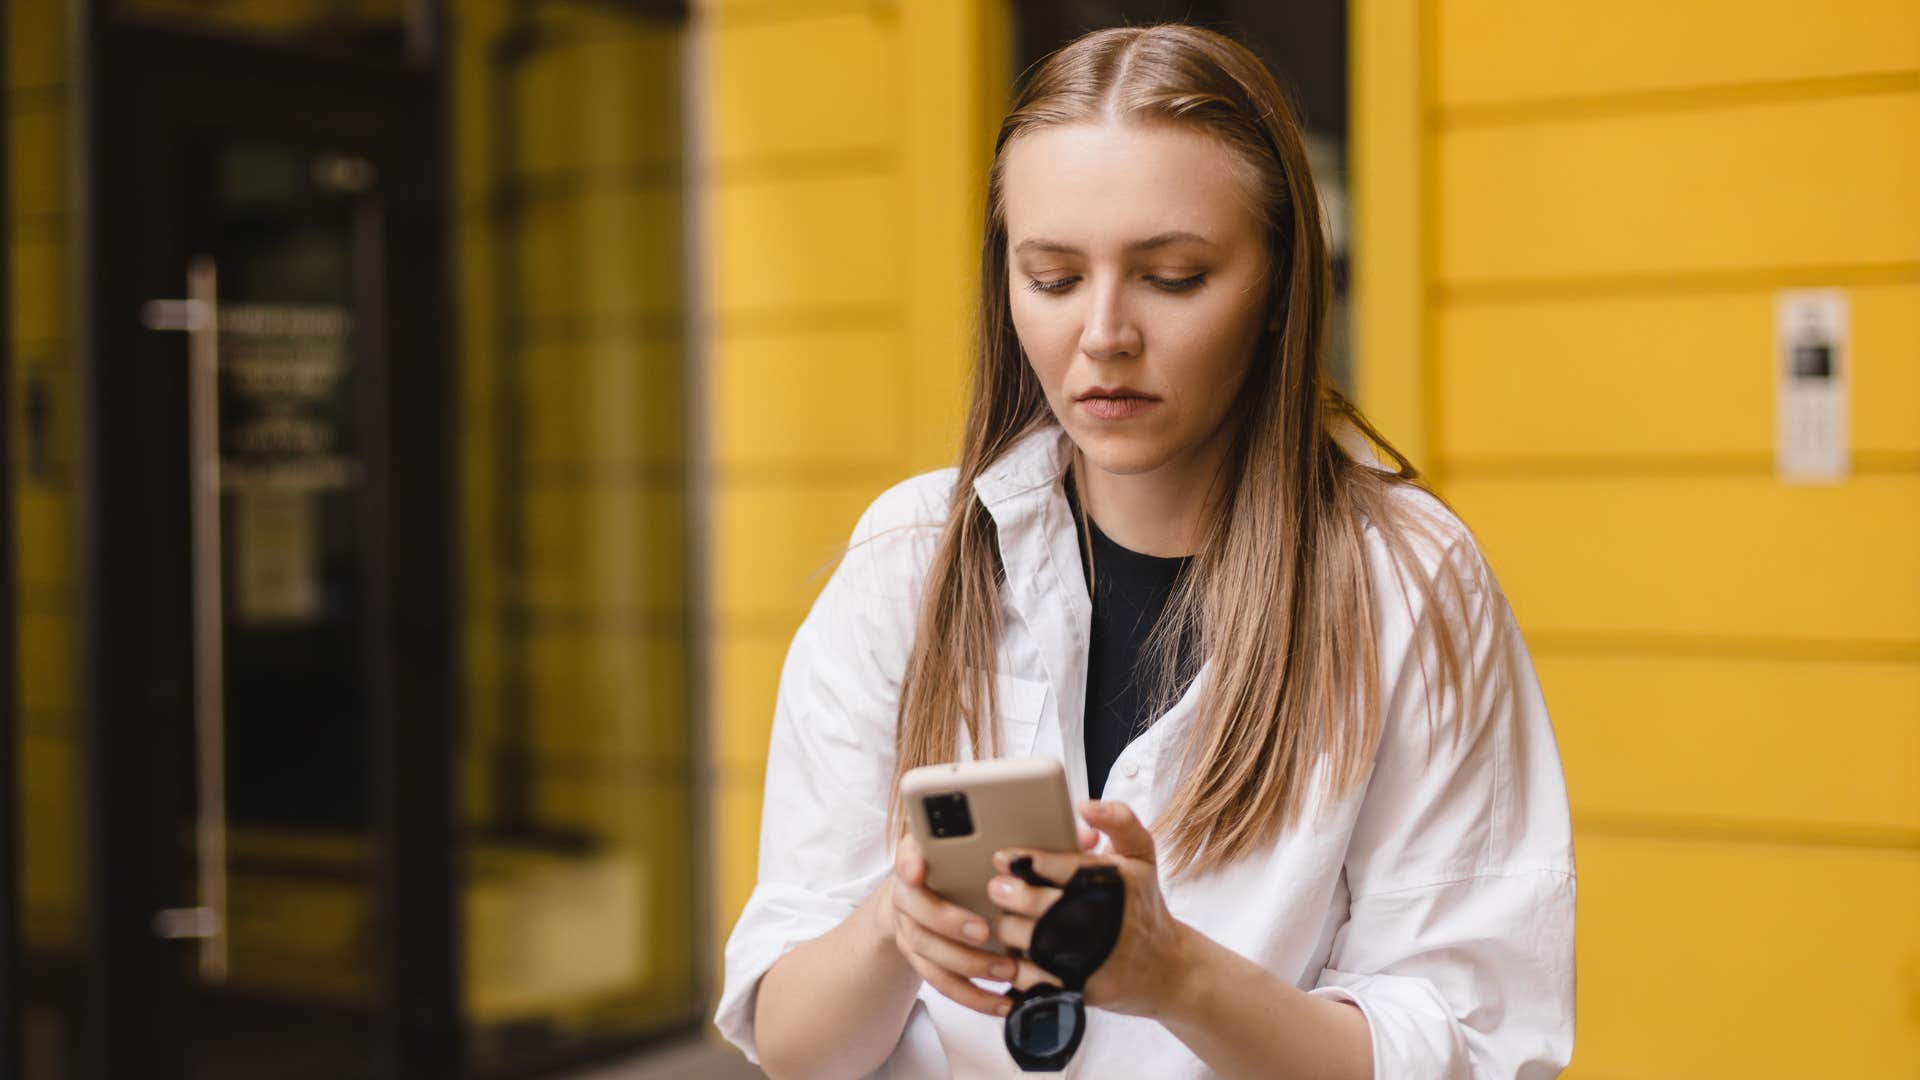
{"x":1169,"y":284}
{"x":1178,"y":284}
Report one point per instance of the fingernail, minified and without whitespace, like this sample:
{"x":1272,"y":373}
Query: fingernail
{"x":975,"y":930}
{"x":1003,"y":971}
{"x":1001,"y":888}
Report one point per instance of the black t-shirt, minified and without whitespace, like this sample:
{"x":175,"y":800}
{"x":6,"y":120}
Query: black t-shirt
{"x":1130,"y":593}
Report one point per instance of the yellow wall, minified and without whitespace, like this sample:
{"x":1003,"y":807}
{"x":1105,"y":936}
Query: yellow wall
{"x":48,"y":599}
{"x":845,"y":149}
{"x":1573,"y":220}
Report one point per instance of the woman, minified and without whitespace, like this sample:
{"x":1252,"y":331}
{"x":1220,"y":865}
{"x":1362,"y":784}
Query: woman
{"x":1327,"y":774}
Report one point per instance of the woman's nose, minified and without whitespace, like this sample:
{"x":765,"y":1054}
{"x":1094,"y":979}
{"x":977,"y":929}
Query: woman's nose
{"x":1109,"y":330}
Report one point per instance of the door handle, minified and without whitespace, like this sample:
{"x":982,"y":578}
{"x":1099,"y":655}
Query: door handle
{"x":199,"y":317}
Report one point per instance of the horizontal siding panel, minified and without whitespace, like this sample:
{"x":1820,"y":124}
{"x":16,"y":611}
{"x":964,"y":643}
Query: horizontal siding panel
{"x":596,"y":553}
{"x":1804,"y":743}
{"x":776,"y":545}
{"x":1736,"y":556}
{"x":1820,"y":183}
{"x":36,"y":41}
{"x":46,"y":536}
{"x":605,"y":254}
{"x":736,"y":809}
{"x":618,"y":88}
{"x":846,"y":68}
{"x":1654,"y":375}
{"x":746,"y":684}
{"x":829,"y":397}
{"x":37,"y":290}
{"x":1700,"y":959}
{"x":620,"y":699}
{"x":49,"y":662}
{"x":1514,"y":50}
{"x":606,"y":403}
{"x":52,"y":873}
{"x":37,"y":161}
{"x":817,"y":241}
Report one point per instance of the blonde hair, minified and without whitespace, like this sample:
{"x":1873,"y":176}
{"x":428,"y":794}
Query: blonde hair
{"x":1278,"y":595}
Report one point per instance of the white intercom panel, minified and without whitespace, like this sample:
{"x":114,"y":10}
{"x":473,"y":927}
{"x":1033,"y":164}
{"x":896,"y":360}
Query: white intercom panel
{"x":1812,"y":371}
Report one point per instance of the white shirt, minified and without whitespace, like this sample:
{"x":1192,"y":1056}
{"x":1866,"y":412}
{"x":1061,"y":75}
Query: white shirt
{"x":1438,"y":897}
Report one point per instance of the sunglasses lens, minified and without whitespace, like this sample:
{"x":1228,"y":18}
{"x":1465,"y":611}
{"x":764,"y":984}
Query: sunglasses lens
{"x":1045,"y":1026}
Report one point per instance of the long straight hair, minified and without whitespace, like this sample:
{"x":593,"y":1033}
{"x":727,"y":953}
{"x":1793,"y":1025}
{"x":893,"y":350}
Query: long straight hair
{"x":1278,"y":595}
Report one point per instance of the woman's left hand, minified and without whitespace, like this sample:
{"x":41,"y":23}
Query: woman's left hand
{"x":1143,"y":969}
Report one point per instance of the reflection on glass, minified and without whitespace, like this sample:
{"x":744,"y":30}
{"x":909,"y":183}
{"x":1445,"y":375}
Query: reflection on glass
{"x":575,"y":772}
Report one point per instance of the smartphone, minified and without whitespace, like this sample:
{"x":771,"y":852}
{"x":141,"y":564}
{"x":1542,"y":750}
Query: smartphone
{"x":963,"y":812}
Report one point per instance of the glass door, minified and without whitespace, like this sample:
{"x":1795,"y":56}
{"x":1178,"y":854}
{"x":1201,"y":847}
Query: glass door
{"x":274,"y":860}
{"x":275,"y":878}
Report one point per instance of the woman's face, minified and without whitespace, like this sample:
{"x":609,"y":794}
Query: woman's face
{"x":1137,"y":281}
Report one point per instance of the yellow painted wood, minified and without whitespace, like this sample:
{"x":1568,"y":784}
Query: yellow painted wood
{"x":563,"y":93}
{"x":1809,"y":744}
{"x":737,"y":832}
{"x":1389,"y":219}
{"x":1512,"y":50}
{"x":946,"y":175}
{"x":37,"y":157}
{"x":613,"y":403}
{"x":1735,"y":188}
{"x":472,"y":125}
{"x":52,"y":846}
{"x":746,"y":683}
{"x":44,"y":526}
{"x":828,"y":397}
{"x":1704,"y":960}
{"x":811,"y":86}
{"x":602,"y":550}
{"x":1657,"y":375}
{"x":612,"y":697}
{"x":38,"y":284}
{"x":1728,"y":557}
{"x":774,"y":547}
{"x":36,"y":43}
{"x":608,"y":253}
{"x":48,"y":659}
{"x":808,"y":241}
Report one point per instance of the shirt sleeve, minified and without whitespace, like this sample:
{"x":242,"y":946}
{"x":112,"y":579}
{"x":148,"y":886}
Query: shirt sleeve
{"x":830,"y":757}
{"x":1458,"y":946}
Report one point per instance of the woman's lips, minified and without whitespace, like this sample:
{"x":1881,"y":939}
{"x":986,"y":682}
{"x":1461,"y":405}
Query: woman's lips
{"x":1117,"y":408}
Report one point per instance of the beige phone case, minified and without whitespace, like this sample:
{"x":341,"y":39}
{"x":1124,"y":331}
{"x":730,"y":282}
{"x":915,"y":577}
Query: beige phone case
{"x":1013,"y":802}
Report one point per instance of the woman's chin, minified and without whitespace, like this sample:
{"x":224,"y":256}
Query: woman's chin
{"x":1123,"y":454}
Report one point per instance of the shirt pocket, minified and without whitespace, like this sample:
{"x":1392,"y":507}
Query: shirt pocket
{"x":1019,"y":702}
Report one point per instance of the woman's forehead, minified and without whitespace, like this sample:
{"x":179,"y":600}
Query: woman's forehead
{"x":1115,"y":186}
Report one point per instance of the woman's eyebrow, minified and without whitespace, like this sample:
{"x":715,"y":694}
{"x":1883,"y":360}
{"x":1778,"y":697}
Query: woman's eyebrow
{"x":1175,"y":236}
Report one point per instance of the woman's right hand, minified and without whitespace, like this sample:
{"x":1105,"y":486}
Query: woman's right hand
{"x":940,"y":939}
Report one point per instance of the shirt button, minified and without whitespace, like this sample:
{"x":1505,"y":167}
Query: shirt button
{"x":1130,"y":770}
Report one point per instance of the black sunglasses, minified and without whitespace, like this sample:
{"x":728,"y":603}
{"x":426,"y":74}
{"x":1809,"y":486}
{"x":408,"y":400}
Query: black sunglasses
{"x":1071,"y":939}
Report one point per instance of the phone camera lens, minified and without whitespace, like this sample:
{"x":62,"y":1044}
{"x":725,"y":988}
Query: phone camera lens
{"x":947,"y":815}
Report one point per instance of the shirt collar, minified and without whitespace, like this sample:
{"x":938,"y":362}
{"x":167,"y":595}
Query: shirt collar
{"x":1034,"y":461}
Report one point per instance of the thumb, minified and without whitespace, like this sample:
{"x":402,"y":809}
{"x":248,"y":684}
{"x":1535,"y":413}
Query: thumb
{"x":1130,"y":838}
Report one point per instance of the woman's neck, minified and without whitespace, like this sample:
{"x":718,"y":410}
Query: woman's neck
{"x":1157,"y":512}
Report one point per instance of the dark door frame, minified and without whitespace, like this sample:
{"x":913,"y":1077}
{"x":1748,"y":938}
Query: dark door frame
{"x":413,"y":676}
